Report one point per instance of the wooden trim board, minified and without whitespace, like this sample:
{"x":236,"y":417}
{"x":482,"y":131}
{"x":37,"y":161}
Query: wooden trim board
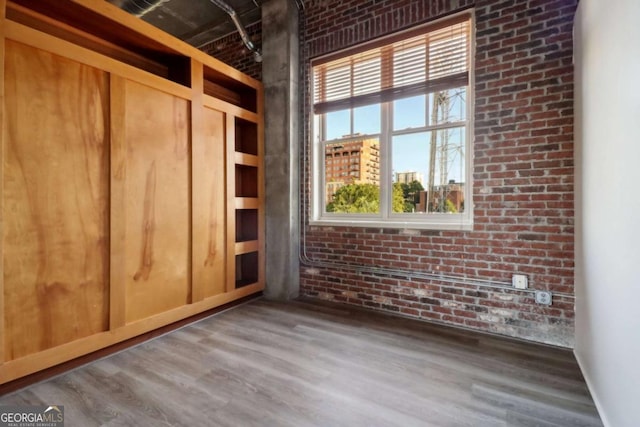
{"x":2,"y":128}
{"x":35,"y":362}
{"x":37,"y":39}
{"x":61,"y":368}
{"x":118,"y":171}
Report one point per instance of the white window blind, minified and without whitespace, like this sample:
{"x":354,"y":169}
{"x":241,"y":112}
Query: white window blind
{"x":433,"y":59}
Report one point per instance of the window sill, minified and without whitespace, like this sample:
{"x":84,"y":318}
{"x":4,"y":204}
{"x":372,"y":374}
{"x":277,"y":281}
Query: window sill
{"x":457,"y":224}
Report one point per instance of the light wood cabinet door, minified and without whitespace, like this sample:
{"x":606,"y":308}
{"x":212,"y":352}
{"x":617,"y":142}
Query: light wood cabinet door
{"x":209,"y":205}
{"x":150,"y":209}
{"x":55,"y":200}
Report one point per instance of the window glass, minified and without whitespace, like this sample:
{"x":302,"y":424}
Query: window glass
{"x":409,"y":113}
{"x":338,"y":124}
{"x":410,"y":154}
{"x":428,"y":170}
{"x":447,"y":106}
{"x":366,"y":120}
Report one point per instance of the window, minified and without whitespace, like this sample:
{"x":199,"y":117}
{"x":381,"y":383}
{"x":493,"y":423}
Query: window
{"x":397,"y":111}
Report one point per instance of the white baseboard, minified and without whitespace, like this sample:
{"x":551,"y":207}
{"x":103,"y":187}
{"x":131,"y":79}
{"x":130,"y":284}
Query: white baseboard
{"x":594,"y":396}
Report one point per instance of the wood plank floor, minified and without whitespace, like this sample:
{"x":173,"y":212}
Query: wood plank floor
{"x":311,"y":364}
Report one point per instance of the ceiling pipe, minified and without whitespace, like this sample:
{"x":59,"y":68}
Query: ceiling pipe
{"x":257,"y":55}
{"x":138,"y":8}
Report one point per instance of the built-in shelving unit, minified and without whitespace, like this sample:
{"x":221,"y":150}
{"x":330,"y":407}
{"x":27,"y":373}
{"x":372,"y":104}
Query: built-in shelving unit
{"x":248,"y":248}
{"x":138,"y":199}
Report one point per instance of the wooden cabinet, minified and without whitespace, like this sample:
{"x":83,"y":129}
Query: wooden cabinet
{"x":132,"y":182}
{"x":55,"y":199}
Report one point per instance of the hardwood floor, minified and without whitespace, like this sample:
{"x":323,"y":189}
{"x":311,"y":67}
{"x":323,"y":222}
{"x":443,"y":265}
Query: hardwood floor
{"x":312,"y":364}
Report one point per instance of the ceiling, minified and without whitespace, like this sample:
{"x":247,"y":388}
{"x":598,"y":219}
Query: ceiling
{"x":197,"y":22}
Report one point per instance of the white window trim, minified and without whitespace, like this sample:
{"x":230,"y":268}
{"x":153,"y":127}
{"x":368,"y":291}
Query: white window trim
{"x":386,"y":218}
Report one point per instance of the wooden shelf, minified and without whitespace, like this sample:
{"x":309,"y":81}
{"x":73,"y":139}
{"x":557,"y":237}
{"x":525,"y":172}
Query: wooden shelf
{"x":247,"y":203}
{"x":247,"y":159}
{"x":246,"y":181}
{"x":247,"y":265}
{"x":246,"y":247}
{"x":246,"y":136}
{"x":246,"y":225}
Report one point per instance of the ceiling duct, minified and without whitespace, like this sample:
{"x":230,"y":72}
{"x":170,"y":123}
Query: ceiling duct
{"x":257,"y":55}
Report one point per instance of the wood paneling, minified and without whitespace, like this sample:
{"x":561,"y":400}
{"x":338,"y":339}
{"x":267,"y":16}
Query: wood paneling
{"x":55,"y":199}
{"x":118,"y":193}
{"x":20,"y":367}
{"x":85,"y":56}
{"x":209,"y":228}
{"x":220,"y":105}
{"x":231,"y":198}
{"x":60,"y":30}
{"x":261,"y":190}
{"x":157,"y":201}
{"x":197,"y":147}
{"x":116,"y":27}
{"x":118,"y":232}
{"x":48,"y":373}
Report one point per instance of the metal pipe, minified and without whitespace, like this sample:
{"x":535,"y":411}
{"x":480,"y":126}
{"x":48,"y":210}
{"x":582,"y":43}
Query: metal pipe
{"x":257,"y":55}
{"x":138,"y":8}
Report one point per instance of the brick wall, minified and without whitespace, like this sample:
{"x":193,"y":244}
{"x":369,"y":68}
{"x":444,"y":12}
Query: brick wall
{"x":232,"y":51}
{"x":523,"y":179}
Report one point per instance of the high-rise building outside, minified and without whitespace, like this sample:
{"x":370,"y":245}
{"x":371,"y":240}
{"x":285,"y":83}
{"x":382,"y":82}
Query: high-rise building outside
{"x":409,"y":177}
{"x":356,"y":161}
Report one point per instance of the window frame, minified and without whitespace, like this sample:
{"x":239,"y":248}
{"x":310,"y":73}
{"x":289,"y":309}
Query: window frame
{"x":386,"y":218}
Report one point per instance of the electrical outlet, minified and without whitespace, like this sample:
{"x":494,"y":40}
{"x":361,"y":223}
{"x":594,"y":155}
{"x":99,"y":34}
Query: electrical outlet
{"x":543,"y":297}
{"x":519,"y":281}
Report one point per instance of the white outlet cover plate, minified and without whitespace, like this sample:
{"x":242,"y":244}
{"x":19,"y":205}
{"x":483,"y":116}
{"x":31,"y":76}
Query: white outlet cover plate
{"x":543,"y":297}
{"x":519,"y":281}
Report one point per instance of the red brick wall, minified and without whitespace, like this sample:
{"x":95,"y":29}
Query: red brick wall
{"x":232,"y":51}
{"x":522,"y":188}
